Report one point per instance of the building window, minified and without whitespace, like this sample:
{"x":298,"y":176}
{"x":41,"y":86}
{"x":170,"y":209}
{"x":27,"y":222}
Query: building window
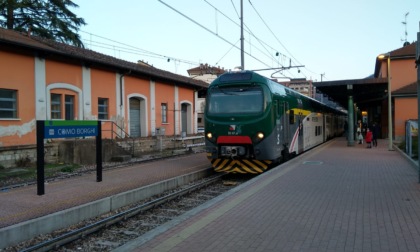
{"x":164,"y":112}
{"x":8,"y":103}
{"x":103,"y":108}
{"x":69,"y":107}
{"x":55,"y":106}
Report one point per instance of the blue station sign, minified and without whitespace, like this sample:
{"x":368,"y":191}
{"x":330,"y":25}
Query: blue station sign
{"x":71,"y":128}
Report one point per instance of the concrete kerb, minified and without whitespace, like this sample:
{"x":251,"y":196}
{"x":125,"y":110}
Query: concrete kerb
{"x":20,"y":232}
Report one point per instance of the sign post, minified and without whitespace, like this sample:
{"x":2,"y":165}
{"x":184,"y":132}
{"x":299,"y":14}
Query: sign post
{"x":66,"y":129}
{"x":99,"y":153}
{"x":40,"y":157}
{"x":418,"y":94}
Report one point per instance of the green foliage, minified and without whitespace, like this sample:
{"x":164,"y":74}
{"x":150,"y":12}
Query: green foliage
{"x":21,"y":175}
{"x":68,"y":169}
{"x":23,"y":162}
{"x":50,"y":19}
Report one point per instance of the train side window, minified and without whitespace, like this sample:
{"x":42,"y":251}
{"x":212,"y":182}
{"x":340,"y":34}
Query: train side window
{"x":292,"y":116}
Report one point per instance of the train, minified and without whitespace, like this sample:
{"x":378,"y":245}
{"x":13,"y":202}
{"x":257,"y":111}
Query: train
{"x":252,"y":123}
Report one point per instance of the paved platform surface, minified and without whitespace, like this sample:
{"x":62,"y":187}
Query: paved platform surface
{"x":22,"y":204}
{"x":333,"y":198}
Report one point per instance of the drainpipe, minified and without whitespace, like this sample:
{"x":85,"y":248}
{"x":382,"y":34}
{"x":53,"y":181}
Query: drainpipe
{"x":122,"y":95}
{"x":121,"y":87}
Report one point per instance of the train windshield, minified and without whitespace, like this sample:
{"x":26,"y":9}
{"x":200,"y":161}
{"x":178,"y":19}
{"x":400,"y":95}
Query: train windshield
{"x":235,"y":100}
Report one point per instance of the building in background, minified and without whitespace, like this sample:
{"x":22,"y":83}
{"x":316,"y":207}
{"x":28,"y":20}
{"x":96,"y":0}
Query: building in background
{"x":207,"y":74}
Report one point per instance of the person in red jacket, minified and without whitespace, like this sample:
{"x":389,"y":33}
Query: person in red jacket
{"x":368,"y":138}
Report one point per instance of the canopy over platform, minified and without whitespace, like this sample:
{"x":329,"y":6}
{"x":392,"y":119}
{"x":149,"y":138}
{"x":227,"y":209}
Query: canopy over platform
{"x":362,"y":90}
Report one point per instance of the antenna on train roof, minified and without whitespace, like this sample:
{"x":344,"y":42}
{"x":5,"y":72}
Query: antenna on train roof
{"x":237,"y":69}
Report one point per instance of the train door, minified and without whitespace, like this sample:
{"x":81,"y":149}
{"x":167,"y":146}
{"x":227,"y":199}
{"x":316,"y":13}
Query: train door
{"x":300,"y":118}
{"x":285,"y":128}
{"x":284,"y":133}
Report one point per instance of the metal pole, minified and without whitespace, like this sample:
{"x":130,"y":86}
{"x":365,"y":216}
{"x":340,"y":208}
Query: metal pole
{"x":40,"y":162}
{"x":350,"y":123}
{"x":99,"y":153}
{"x":242,"y":37}
{"x":389,"y":104}
{"x":418,"y":95}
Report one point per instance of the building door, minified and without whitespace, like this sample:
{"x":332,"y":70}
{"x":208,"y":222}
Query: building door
{"x":184,"y":118}
{"x":135,"y":128}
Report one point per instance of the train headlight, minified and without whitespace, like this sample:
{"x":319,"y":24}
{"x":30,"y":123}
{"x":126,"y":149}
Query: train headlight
{"x":260,"y":135}
{"x":209,"y":135}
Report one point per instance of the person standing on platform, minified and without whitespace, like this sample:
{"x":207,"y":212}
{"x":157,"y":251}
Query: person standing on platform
{"x":368,"y":138}
{"x":360,"y":138}
{"x":359,"y":133}
{"x":375,"y":133}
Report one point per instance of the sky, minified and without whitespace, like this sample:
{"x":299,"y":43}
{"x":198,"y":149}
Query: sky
{"x":321,"y":40}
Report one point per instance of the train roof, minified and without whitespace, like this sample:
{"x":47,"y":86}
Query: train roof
{"x":275,"y":87}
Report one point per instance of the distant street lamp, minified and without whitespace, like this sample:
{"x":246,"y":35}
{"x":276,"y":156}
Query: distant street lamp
{"x":388,"y":57}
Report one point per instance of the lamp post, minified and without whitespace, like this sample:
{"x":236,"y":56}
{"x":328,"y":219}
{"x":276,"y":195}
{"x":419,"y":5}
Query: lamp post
{"x":388,"y":57}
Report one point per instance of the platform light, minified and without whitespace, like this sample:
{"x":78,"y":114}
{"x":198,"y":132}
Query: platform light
{"x":388,"y":57}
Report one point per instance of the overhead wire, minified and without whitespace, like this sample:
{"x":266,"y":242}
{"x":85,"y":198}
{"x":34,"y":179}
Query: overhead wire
{"x":135,"y":50}
{"x":130,"y":49}
{"x":263,"y":44}
{"x":230,"y":49}
{"x":278,"y":40}
{"x":291,"y":55}
{"x":207,"y":29}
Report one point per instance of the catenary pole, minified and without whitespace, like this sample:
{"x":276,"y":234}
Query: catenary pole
{"x":418,"y":96}
{"x":242,"y":37}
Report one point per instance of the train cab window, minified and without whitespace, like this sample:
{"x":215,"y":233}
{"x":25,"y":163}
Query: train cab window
{"x":235,"y":100}
{"x":292,"y":116}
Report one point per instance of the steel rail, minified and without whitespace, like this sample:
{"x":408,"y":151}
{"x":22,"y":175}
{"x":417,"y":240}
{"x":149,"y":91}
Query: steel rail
{"x":73,"y":235}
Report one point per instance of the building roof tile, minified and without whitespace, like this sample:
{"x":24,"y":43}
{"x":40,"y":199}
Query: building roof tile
{"x":90,"y":57}
{"x":408,"y":90}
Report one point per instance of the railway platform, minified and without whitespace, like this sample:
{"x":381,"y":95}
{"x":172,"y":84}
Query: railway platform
{"x":332,"y":198}
{"x":24,"y":214}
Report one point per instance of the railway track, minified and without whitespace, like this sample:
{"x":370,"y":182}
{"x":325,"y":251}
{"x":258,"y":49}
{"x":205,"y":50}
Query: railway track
{"x":115,"y":229}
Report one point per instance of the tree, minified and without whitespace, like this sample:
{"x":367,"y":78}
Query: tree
{"x":49,"y":19}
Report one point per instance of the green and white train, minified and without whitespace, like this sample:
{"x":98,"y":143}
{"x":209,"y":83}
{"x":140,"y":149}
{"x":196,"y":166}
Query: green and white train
{"x":252,"y":122}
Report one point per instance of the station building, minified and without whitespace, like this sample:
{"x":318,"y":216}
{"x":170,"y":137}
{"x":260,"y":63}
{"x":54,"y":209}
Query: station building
{"x":367,"y":99}
{"x":45,"y":80}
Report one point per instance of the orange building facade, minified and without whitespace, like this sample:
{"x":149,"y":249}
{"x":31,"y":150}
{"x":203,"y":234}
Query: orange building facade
{"x":45,"y":80}
{"x":403,"y":77}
